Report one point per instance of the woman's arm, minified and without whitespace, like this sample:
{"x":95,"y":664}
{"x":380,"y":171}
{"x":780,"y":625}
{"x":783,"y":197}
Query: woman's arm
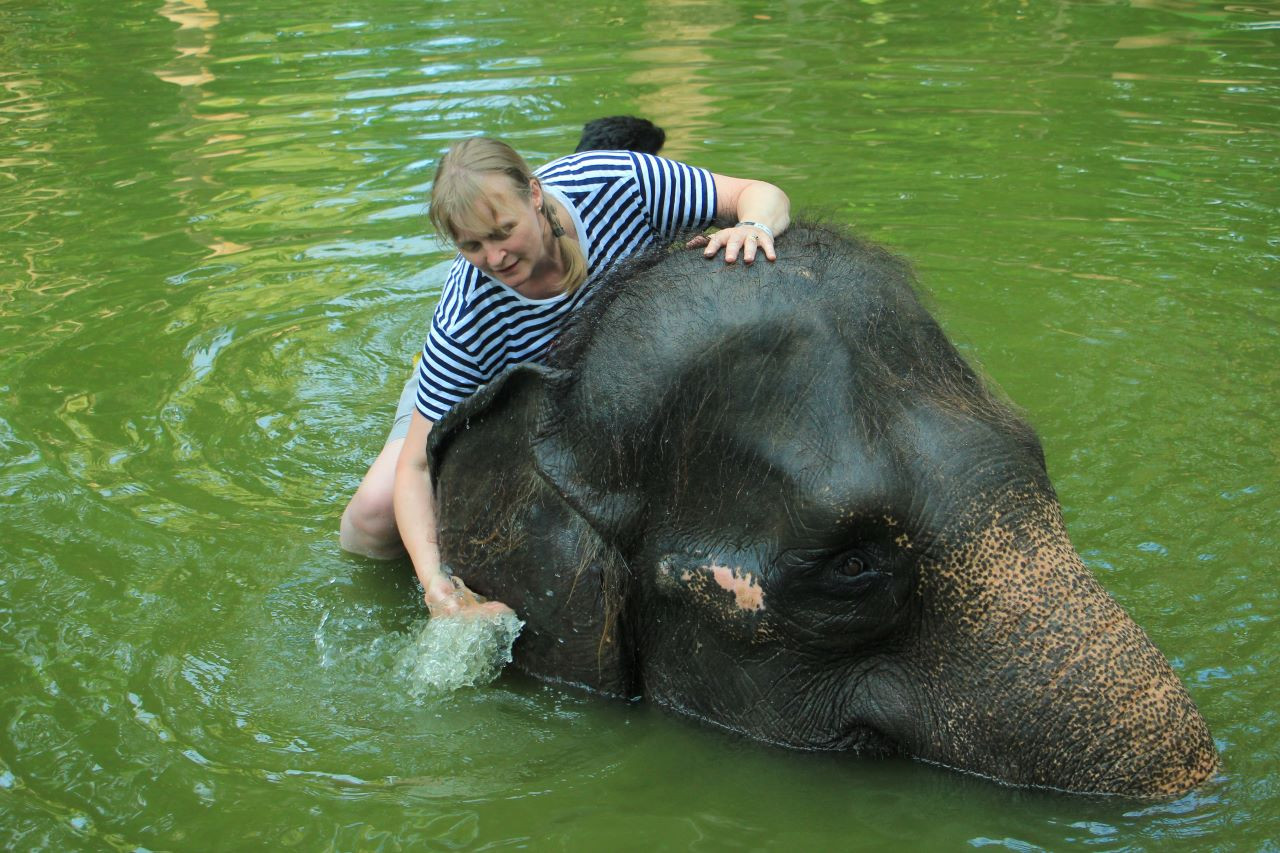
{"x":739,"y":202}
{"x":416,"y":518}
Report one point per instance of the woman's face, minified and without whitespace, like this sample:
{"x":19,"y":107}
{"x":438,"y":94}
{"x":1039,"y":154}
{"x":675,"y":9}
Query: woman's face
{"x":507,"y":244}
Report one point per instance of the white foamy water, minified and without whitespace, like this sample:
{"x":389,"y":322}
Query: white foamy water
{"x":455,"y":651}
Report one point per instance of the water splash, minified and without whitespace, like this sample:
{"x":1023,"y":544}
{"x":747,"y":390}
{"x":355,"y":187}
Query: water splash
{"x":451,"y":652}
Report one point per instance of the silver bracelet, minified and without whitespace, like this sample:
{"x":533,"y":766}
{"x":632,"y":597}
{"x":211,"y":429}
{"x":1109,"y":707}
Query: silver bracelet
{"x":765,"y":228}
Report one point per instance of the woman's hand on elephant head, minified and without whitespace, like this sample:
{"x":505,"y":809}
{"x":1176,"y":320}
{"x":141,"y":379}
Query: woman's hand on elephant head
{"x":742,"y":238}
{"x":761,"y":211}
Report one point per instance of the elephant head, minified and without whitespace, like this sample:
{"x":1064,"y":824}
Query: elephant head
{"x":777,"y":499}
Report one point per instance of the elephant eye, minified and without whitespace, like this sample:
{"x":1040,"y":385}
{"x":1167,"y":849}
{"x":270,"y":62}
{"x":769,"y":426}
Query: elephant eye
{"x":852,"y":565}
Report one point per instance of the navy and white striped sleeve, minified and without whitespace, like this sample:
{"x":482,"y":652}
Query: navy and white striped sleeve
{"x":448,"y":372}
{"x":677,"y":197}
{"x":449,"y":369}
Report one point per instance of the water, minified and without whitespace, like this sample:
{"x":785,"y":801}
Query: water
{"x":449,"y":654}
{"x":214,"y":266}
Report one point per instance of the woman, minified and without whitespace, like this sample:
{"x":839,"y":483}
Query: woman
{"x":531,"y":248}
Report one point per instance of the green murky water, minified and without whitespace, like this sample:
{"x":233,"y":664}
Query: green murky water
{"x":214,"y":265}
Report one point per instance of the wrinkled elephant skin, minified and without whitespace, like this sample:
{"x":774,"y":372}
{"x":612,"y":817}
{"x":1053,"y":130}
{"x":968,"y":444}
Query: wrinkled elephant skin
{"x":776,"y":498}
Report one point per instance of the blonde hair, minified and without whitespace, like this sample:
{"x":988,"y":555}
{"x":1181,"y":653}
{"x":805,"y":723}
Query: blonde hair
{"x":458,"y":197}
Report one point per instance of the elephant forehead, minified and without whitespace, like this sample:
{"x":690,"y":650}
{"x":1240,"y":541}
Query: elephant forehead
{"x":825,"y":457}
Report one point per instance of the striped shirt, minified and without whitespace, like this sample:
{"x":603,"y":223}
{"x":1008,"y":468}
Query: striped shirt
{"x":622,"y":202}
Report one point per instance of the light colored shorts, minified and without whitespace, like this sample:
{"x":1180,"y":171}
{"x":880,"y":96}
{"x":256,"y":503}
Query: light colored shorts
{"x":404,"y":409}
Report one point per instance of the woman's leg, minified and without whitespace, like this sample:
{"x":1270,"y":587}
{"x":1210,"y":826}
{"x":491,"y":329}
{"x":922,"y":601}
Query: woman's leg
{"x":369,"y":522}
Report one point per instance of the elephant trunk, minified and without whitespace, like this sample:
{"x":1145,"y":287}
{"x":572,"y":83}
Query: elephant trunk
{"x":1037,"y":677}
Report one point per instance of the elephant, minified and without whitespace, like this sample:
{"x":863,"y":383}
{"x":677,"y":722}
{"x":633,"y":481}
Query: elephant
{"x":776,"y":498}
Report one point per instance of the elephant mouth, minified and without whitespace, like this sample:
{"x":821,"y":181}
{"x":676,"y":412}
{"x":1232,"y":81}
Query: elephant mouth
{"x":868,"y":742}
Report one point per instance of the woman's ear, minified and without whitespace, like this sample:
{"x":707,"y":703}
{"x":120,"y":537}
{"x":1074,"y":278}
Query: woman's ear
{"x":535,"y":193}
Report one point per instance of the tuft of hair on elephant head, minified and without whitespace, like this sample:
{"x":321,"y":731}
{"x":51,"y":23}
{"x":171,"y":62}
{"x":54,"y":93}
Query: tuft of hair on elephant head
{"x":776,"y":498}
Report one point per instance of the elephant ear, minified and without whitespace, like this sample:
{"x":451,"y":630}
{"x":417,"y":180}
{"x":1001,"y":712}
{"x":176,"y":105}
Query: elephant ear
{"x":513,"y":535}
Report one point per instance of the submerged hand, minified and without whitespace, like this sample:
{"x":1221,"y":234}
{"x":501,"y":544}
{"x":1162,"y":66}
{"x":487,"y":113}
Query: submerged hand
{"x":441,"y":596}
{"x":449,"y":596}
